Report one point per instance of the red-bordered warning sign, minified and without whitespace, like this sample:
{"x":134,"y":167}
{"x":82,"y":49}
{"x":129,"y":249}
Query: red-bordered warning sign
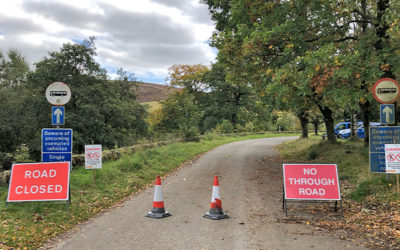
{"x":44,"y":181}
{"x":311,"y":182}
{"x":392,"y":163}
{"x":93,"y":156}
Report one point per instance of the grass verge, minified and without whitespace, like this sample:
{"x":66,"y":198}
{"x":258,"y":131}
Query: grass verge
{"x":352,"y":159}
{"x":371,"y":203}
{"x":29,"y":225}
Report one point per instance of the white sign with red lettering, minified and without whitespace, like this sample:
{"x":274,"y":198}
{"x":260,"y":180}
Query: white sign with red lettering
{"x":44,"y":181}
{"x":311,"y":182}
{"x":93,"y":156}
{"x":392,"y":158}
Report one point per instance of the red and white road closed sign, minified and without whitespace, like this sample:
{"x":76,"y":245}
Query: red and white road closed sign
{"x":44,"y":181}
{"x":311,"y":181}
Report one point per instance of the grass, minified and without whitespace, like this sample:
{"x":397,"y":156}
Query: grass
{"x":352,"y":159}
{"x":30,"y":224}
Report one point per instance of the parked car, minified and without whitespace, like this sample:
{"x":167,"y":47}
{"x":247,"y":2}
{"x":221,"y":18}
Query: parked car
{"x":345,"y":133}
{"x":341,"y":126}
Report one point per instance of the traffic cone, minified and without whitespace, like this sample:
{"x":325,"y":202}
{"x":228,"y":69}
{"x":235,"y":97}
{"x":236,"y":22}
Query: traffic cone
{"x":158,"y":210}
{"x":216,"y":212}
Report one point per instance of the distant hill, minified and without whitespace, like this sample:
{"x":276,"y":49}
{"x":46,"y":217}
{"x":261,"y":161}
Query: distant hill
{"x":150,"y":92}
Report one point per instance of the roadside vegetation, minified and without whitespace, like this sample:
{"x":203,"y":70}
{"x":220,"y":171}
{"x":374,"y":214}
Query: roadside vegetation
{"x":29,"y":225}
{"x":280,"y":66}
{"x":371,"y":202}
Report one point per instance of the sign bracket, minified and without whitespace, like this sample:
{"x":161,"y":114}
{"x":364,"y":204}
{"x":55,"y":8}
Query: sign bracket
{"x":285,"y":204}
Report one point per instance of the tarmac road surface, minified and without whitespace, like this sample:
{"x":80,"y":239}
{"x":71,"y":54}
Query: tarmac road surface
{"x":251,"y":191}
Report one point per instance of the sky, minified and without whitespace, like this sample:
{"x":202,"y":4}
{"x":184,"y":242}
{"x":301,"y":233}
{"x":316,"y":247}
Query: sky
{"x":144,"y":37}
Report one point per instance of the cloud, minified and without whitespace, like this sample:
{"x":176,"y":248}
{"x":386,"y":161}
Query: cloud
{"x":144,"y":28}
{"x":61,"y":13}
{"x":145,"y":37}
{"x":11,"y":26}
{"x":194,"y":9}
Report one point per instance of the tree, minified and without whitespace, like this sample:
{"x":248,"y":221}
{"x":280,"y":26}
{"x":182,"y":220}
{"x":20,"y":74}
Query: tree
{"x":181,"y":115}
{"x":187,"y":76}
{"x":13,"y":73}
{"x":100,"y":111}
{"x":13,"y":70}
{"x":337,"y":49}
{"x":227,"y":100}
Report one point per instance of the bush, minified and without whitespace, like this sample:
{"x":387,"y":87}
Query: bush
{"x":225,"y":127}
{"x":191,"y":134}
{"x":6,"y":160}
{"x":209,"y":136}
{"x":209,"y":123}
{"x":22,"y":154}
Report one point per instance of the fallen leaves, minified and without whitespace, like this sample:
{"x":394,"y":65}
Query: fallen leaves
{"x":377,"y":225}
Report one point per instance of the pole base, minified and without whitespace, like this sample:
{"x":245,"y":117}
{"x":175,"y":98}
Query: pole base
{"x":215,"y":216}
{"x":157,"y":215}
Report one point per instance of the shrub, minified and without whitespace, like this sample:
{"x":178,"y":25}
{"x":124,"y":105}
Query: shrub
{"x":209,"y":123}
{"x":6,"y":160}
{"x":225,"y":127}
{"x":22,"y":154}
{"x":191,"y":134}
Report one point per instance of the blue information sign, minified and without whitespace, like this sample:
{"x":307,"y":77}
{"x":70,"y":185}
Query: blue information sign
{"x":56,"y":144}
{"x":378,"y":137}
{"x":57,"y":115}
{"x":387,"y":113}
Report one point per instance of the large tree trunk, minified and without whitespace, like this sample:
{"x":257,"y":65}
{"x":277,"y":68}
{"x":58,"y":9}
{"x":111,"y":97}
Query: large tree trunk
{"x":365,"y":117}
{"x":316,"y":127}
{"x":303,"y":117}
{"x":353,"y":126}
{"x":329,"y":123}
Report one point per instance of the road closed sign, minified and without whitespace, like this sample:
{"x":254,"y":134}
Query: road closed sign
{"x":44,"y":181}
{"x":311,"y":182}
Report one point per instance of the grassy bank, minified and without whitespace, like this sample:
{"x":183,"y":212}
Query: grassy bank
{"x":31,"y":224}
{"x":370,"y":200}
{"x":353,"y":166}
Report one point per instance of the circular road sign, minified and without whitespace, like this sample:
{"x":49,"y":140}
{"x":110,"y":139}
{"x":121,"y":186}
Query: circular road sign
{"x":58,"y":93}
{"x":386,"y":91}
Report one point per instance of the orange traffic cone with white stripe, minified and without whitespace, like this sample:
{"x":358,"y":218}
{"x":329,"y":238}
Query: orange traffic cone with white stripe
{"x":158,"y":210}
{"x":216,"y":212}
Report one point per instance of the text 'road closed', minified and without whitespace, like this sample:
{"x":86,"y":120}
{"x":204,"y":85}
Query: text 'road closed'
{"x":46,"y":181}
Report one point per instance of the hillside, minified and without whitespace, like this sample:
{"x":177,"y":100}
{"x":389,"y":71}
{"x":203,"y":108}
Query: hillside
{"x":149,"y":92}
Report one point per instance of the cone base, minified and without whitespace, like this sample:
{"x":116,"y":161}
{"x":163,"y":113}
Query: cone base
{"x":215,"y":216}
{"x":157,"y":215}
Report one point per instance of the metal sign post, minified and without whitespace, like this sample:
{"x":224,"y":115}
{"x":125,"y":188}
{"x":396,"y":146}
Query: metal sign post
{"x":58,"y":94}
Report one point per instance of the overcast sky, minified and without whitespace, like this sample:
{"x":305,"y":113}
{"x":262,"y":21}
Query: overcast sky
{"x":141,"y":36}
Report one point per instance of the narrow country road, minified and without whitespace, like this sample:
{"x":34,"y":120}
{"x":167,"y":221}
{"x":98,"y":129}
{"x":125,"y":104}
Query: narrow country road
{"x":251,"y":191}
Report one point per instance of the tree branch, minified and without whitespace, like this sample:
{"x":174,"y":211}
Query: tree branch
{"x":346,"y":38}
{"x":363,"y":15}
